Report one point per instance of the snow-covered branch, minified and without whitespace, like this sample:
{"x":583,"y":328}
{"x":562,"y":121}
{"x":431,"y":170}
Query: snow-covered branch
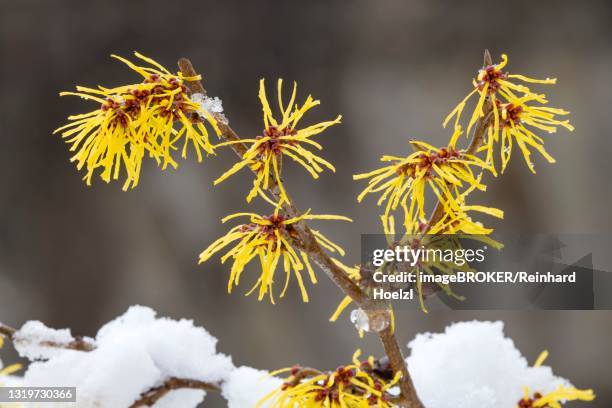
{"x":149,"y":398}
{"x":139,"y":359}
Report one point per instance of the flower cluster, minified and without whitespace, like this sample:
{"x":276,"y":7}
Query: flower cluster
{"x":159,"y":115}
{"x":513,"y":115}
{"x":274,"y":239}
{"x":271,"y":240}
{"x":506,"y":114}
{"x":507,"y":117}
{"x":456,"y":229}
{"x":151,"y":118}
{"x":361,"y":384}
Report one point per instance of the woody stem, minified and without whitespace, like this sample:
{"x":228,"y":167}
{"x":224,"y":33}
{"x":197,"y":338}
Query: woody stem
{"x":307,"y":242}
{"x":475,"y":143}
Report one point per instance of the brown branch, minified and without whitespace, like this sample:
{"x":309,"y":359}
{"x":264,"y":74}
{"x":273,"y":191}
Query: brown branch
{"x":477,"y":138}
{"x":307,"y":242}
{"x":79,"y":343}
{"x":393,"y":351}
{"x":228,"y":134}
{"x":150,"y":397}
{"x":476,"y":141}
{"x":7,"y":331}
{"x":388,"y":339}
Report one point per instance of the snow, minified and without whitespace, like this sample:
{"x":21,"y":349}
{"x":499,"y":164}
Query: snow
{"x":103,"y":377}
{"x":471,"y":365}
{"x":177,"y":348}
{"x":133,"y":353}
{"x":245,"y":386}
{"x":212,"y":106}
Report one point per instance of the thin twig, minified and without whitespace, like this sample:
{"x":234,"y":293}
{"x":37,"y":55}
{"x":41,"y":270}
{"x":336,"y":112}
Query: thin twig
{"x":392,"y":348}
{"x":477,"y":138}
{"x":150,"y":397}
{"x":7,"y":331}
{"x":389,"y":341}
{"x":78,"y":343}
{"x":307,"y":240}
{"x":308,"y":243}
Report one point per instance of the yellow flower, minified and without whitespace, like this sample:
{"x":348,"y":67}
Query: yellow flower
{"x":356,"y":385}
{"x":8,"y":370}
{"x":279,"y":139}
{"x":136,"y":120}
{"x":516,"y":119}
{"x":556,"y":398}
{"x":270,"y":239}
{"x":446,"y":235}
{"x":355,"y":274}
{"x":492,"y":81}
{"x":435,"y":242}
{"x":458,"y":221}
{"x":404,"y":181}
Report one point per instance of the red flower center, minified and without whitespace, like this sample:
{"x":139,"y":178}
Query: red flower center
{"x":427,"y":160}
{"x":528,"y":402}
{"x":491,"y":75}
{"x":273,"y":145}
{"x":513,"y":114}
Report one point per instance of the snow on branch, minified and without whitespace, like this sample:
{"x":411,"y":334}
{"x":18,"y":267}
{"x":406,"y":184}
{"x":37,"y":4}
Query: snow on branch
{"x":141,"y":360}
{"x":136,"y":360}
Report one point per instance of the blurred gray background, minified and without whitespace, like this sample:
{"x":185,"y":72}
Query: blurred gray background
{"x":76,"y":257}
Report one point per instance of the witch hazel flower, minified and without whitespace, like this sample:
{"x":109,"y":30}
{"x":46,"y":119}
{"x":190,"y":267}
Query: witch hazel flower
{"x":280,"y":138}
{"x":505,"y":100}
{"x":403,"y":182}
{"x":271,"y":241}
{"x":153,"y":118}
